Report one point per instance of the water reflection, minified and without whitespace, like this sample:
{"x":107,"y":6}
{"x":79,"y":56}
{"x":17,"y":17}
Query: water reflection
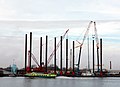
{"x":59,"y":82}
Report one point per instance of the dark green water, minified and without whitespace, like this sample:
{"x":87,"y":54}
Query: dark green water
{"x":59,"y":82}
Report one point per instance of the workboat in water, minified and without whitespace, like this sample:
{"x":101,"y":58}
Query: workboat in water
{"x":40,"y":75}
{"x":87,"y":73}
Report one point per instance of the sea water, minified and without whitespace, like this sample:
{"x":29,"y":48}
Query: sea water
{"x":60,"y":82}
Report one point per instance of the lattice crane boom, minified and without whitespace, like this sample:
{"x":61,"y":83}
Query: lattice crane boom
{"x":51,"y":55}
{"x":85,"y":35}
{"x":96,"y":35}
{"x":33,"y":57}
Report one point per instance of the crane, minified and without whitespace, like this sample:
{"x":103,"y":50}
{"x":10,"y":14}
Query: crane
{"x":96,"y":35}
{"x":51,"y":55}
{"x":81,"y":44}
{"x":33,"y":57}
{"x":97,"y":44}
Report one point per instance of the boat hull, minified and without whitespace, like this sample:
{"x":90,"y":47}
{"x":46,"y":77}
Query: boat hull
{"x":40,"y":75}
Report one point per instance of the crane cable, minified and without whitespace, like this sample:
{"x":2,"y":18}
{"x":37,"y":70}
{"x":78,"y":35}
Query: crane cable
{"x":53,"y":52}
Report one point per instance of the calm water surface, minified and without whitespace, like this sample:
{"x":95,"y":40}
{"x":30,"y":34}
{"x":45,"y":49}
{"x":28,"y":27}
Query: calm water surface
{"x":59,"y":82}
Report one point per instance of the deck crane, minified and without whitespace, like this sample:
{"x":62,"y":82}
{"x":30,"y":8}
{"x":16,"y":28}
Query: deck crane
{"x":81,"y":44}
{"x":97,"y":44}
{"x":33,"y":57}
{"x":51,"y":55}
{"x":35,"y":60}
{"x":35,"y":69}
{"x":96,"y":35}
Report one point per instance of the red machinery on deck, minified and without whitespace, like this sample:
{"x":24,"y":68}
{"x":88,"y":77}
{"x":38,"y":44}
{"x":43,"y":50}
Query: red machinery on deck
{"x":42,"y":68}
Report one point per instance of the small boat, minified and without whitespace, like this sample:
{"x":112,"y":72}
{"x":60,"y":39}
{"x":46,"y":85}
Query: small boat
{"x":87,"y":74}
{"x":12,"y":75}
{"x":40,"y":75}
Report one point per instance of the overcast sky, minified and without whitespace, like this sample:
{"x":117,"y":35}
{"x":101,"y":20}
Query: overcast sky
{"x":53,"y":18}
{"x":59,"y":9}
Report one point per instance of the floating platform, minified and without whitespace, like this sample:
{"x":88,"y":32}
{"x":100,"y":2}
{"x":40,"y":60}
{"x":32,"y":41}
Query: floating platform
{"x":40,"y":75}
